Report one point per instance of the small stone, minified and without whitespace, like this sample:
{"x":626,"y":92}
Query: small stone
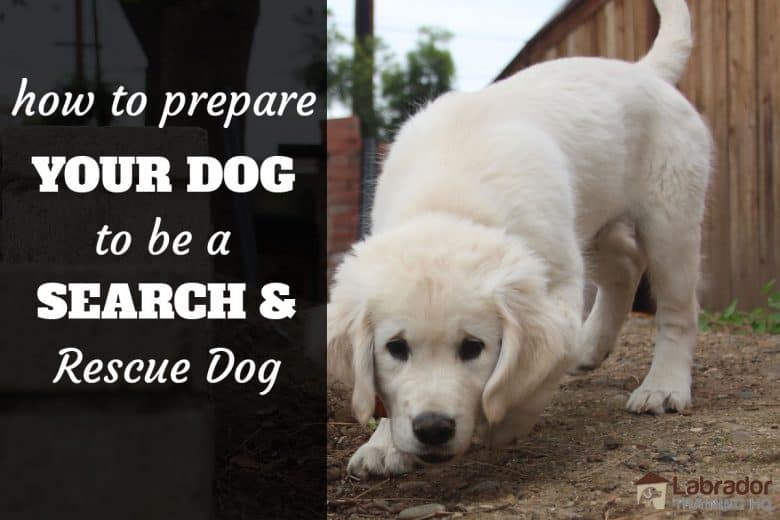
{"x":611,"y":443}
{"x":486,"y":486}
{"x":382,"y":504}
{"x":662,"y":446}
{"x":666,"y":458}
{"x":423,"y":511}
{"x":334,"y":473}
{"x":619,"y":399}
{"x":746,"y":395}
{"x":628,"y":383}
{"x":594,"y":458}
{"x":697,"y":430}
{"x":411,"y":485}
{"x":742,"y":453}
{"x":740,"y":436}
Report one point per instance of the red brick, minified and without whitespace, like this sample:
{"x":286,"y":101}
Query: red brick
{"x":344,"y":175}
{"x":344,"y":135}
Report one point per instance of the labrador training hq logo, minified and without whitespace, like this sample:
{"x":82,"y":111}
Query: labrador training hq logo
{"x":705,"y":494}
{"x":651,"y":491}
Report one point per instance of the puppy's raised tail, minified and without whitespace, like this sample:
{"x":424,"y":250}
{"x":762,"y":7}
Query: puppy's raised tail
{"x":672,"y":47}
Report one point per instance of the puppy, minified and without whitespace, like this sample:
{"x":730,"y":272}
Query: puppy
{"x":463,"y":308}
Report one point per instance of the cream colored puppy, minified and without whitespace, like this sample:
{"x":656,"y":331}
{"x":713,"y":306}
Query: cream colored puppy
{"x":463,"y":308}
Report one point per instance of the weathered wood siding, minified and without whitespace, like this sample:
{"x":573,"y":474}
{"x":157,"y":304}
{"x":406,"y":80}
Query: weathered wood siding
{"x":733,"y":78}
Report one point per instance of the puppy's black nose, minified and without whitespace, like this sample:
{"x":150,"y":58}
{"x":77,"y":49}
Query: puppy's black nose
{"x":433,"y":428}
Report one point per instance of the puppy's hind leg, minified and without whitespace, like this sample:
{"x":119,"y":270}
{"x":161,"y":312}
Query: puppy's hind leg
{"x":673,"y":256}
{"x":379,"y":456}
{"x":616,"y":262}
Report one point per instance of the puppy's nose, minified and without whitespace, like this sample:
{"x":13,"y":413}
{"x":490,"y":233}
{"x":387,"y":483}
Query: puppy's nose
{"x":433,"y":428}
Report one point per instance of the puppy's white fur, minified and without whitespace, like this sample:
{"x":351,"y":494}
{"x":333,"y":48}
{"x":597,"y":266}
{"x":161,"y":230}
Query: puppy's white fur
{"x":488,"y":206}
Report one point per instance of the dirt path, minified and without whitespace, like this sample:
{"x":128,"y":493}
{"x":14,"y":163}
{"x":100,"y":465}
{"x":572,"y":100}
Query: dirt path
{"x":583,"y":457}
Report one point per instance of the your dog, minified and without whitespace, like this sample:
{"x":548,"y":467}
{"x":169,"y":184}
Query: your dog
{"x":464,"y":307}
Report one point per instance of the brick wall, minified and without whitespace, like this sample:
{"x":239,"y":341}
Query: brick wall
{"x":345,"y":148}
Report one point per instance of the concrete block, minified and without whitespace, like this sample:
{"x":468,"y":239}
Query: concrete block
{"x":119,"y":458}
{"x":29,"y":346}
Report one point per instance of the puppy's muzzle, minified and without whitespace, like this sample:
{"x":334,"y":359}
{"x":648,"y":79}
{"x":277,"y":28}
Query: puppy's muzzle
{"x":433,"y":429}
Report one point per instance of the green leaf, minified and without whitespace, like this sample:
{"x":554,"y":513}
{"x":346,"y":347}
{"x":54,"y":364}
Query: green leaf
{"x":730,"y":310}
{"x":773,"y":322}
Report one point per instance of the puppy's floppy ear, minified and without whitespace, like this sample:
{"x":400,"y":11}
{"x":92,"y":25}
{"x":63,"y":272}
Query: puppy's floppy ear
{"x":350,"y":340}
{"x":532,"y":344}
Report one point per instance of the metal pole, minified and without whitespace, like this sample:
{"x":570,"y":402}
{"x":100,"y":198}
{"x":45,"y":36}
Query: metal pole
{"x":79,"y":47}
{"x":363,"y":84}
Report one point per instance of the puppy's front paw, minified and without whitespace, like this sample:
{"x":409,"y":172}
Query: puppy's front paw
{"x":379,"y":456}
{"x":379,"y":460}
{"x":668,"y":391}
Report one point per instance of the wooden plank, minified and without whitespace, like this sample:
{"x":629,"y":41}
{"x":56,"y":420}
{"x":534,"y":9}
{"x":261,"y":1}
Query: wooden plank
{"x":643,"y":27}
{"x":601,"y":28}
{"x":702,"y":19}
{"x":571,"y":44}
{"x":584,"y":38}
{"x":713,"y":32}
{"x":768,"y":62}
{"x":561,"y":47}
{"x":717,"y":288}
{"x":620,"y":29}
{"x":595,"y":28}
{"x":610,"y":28}
{"x":743,"y":152}
{"x":692,"y":73}
{"x":629,"y":53}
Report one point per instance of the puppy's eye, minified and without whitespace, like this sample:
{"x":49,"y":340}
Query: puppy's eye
{"x":399,"y":349}
{"x":470,"y":349}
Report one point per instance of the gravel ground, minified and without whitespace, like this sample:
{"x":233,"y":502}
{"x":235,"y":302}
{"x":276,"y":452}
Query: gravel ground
{"x":583,"y":457}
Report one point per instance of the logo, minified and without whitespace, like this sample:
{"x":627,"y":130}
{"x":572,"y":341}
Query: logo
{"x":651,"y":491}
{"x":704,"y":493}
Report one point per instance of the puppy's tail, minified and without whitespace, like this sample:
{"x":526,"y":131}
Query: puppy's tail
{"x":672,"y":47}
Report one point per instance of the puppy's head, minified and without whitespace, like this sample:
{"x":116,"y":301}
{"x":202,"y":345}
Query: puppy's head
{"x":449,"y":323}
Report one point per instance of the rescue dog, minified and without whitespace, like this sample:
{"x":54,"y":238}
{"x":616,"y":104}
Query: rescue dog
{"x":464,"y":307}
